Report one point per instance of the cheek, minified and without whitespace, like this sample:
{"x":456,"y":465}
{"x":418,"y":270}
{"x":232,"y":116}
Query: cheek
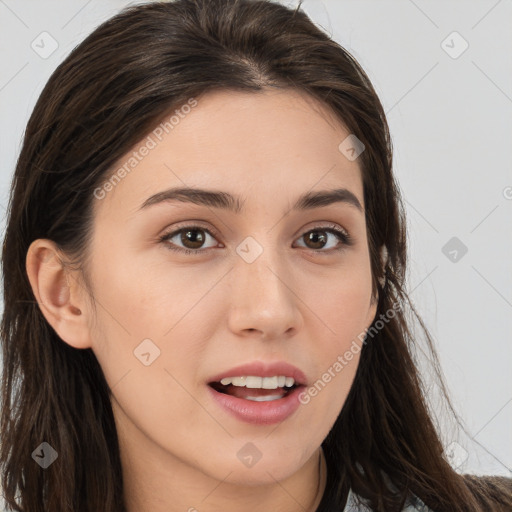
{"x":153,"y":309}
{"x":148,"y":342}
{"x":342,"y":303}
{"x":146,"y":299}
{"x":344,"y":310}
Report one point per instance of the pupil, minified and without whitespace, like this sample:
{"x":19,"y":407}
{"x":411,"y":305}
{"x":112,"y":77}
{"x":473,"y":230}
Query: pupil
{"x":187,"y":237}
{"x":314,"y":237}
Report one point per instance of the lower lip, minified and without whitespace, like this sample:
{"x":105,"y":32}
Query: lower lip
{"x":259,"y":413}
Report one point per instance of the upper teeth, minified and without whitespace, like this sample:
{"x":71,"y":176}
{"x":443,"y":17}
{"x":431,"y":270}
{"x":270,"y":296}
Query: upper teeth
{"x":259,"y":382}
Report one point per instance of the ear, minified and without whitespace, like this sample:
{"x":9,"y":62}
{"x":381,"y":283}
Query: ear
{"x":59,"y":293}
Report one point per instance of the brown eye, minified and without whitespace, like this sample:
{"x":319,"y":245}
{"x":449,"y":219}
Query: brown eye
{"x":189,"y":239}
{"x":194,"y":237}
{"x":318,"y":239}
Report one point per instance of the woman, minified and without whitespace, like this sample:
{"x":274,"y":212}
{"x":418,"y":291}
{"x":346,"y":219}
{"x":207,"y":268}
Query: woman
{"x":204,"y":281}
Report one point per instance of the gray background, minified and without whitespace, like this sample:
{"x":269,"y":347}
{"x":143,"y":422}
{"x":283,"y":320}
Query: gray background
{"x":449,"y":112}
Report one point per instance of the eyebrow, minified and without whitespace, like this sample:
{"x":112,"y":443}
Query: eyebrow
{"x":224,"y":200}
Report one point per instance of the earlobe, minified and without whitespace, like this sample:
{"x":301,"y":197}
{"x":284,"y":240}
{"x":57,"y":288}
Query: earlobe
{"x":58,"y":293}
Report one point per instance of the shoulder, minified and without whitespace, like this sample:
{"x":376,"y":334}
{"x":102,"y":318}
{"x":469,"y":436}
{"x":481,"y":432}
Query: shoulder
{"x":495,"y":489}
{"x":357,"y":504}
{"x":416,"y":505}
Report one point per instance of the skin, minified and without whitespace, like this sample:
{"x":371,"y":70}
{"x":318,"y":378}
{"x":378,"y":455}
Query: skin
{"x":298,"y":302}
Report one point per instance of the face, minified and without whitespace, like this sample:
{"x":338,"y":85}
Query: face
{"x":266,"y":281}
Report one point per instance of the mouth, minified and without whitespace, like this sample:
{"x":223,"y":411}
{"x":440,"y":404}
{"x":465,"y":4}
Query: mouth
{"x":269,"y":391}
{"x":259,"y":393}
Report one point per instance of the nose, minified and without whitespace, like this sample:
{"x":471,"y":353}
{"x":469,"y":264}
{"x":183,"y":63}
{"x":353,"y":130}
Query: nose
{"x":263,"y":302}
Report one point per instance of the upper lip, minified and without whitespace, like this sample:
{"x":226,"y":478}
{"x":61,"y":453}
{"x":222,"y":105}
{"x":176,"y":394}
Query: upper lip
{"x":263,"y":369}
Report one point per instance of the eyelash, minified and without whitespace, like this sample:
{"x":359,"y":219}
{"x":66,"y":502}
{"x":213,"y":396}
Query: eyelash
{"x":342,"y":235}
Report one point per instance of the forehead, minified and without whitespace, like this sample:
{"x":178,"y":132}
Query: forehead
{"x":267,"y":146}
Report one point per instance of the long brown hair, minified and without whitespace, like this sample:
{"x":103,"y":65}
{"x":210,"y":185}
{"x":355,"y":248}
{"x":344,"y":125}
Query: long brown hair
{"x":106,"y":96}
